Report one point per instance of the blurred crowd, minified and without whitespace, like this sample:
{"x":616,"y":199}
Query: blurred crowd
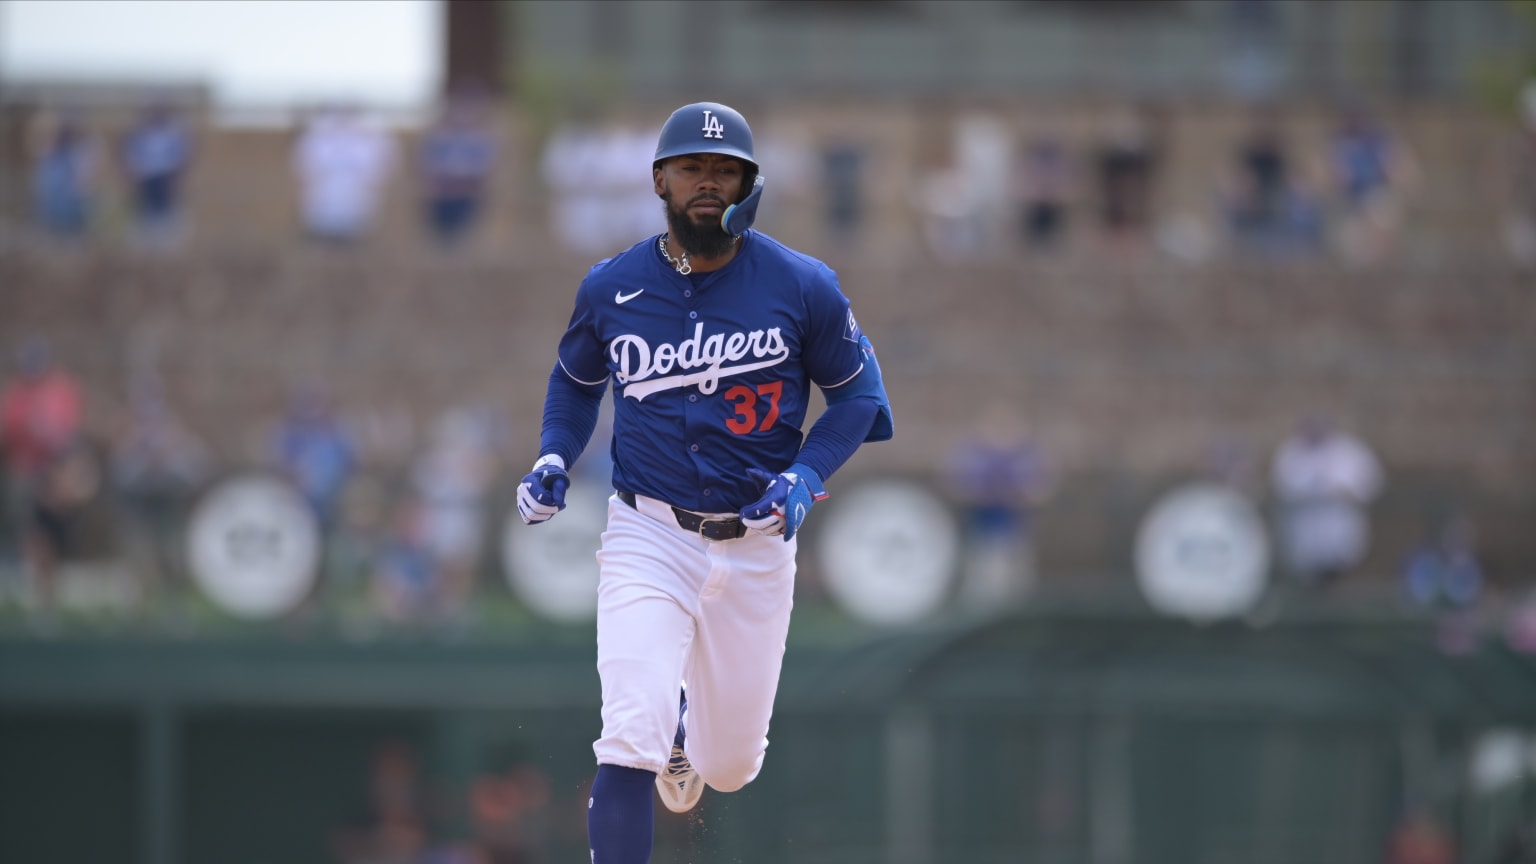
{"x":408,"y":507}
{"x":1341,"y":196}
{"x":501,"y":815}
{"x":404,"y":514}
{"x":1318,"y":488}
{"x":151,"y":156}
{"x":408,"y":510}
{"x":88,"y":178}
{"x":981,"y":185}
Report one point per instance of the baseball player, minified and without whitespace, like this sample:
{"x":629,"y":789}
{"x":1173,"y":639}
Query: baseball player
{"x":712,"y":335}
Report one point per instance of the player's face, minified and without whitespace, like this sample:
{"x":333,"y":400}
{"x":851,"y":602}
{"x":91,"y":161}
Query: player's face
{"x":697,"y":189}
{"x":700,"y":187}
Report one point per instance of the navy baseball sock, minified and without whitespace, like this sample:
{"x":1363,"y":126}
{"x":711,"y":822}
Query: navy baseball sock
{"x":620,"y":821}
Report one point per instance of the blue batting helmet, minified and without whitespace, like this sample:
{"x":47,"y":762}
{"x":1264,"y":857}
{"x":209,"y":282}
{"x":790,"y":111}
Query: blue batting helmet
{"x":706,"y":127}
{"x":710,"y":127}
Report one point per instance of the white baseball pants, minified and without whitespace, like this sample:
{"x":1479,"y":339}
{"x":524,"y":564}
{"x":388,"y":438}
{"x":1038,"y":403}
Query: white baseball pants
{"x":673,"y":606}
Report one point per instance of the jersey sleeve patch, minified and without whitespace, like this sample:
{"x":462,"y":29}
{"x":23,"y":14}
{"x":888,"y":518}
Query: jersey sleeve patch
{"x":851,"y":329}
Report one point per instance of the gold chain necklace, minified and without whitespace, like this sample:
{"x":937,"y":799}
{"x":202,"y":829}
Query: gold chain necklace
{"x":681,"y":265}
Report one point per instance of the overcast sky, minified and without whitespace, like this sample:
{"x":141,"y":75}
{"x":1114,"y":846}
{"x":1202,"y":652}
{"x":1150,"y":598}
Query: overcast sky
{"x":249,"y":53}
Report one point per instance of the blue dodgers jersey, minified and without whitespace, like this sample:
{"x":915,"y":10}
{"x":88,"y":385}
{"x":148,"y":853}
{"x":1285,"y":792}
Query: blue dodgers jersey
{"x":709,"y":379}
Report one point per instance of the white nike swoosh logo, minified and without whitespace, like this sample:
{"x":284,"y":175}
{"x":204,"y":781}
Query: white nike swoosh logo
{"x":622,"y":298}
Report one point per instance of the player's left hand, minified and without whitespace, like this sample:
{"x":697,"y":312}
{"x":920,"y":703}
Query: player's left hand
{"x":541,"y":494}
{"x":787,"y":498}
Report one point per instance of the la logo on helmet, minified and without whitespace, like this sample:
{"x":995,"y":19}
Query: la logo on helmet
{"x":712,"y":126}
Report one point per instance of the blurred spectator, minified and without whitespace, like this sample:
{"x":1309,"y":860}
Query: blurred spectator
{"x":48,"y":467}
{"x":1373,"y":173}
{"x":1127,"y":161}
{"x":509,"y":807}
{"x":158,"y":467}
{"x":573,"y":154}
{"x":946,"y":211}
{"x":1443,"y":571}
{"x":393,"y":827}
{"x":458,"y":157}
{"x":156,"y":153}
{"x":406,"y":581}
{"x":383,"y":435}
{"x":999,"y":476}
{"x":962,"y":194}
{"x":1419,"y":838}
{"x":451,"y":480}
{"x":1267,"y":211}
{"x":64,"y":168}
{"x":343,"y":160}
{"x":316,"y":451}
{"x":951,"y":217}
{"x":1044,"y":191}
{"x":598,"y":202}
{"x":1323,"y":480}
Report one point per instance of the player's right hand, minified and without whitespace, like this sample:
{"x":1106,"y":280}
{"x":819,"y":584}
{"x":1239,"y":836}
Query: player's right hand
{"x":541,"y":494}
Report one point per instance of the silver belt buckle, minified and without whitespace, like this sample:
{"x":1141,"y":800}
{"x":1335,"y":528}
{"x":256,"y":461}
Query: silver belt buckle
{"x":703,"y":521}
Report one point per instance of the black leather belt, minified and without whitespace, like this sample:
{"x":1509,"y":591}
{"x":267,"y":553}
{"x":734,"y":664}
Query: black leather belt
{"x":707,"y":527}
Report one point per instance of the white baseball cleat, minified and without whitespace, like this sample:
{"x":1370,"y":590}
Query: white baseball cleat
{"x":680,"y":786}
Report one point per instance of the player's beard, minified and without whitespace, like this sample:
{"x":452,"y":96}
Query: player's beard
{"x":707,"y":240}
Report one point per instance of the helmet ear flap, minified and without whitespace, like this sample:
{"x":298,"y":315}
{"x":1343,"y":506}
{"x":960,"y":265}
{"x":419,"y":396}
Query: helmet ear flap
{"x":737,"y":218}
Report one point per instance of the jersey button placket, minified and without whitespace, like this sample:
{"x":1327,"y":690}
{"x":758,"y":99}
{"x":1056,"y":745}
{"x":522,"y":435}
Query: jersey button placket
{"x":696,"y":414}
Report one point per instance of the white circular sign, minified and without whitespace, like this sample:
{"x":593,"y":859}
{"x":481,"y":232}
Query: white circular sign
{"x":888,"y":551}
{"x":253,"y":546}
{"x":552,"y":566}
{"x":1202,"y":553}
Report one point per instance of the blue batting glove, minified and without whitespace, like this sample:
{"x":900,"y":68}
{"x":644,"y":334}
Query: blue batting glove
{"x":541,"y":494}
{"x":787,"y":498}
